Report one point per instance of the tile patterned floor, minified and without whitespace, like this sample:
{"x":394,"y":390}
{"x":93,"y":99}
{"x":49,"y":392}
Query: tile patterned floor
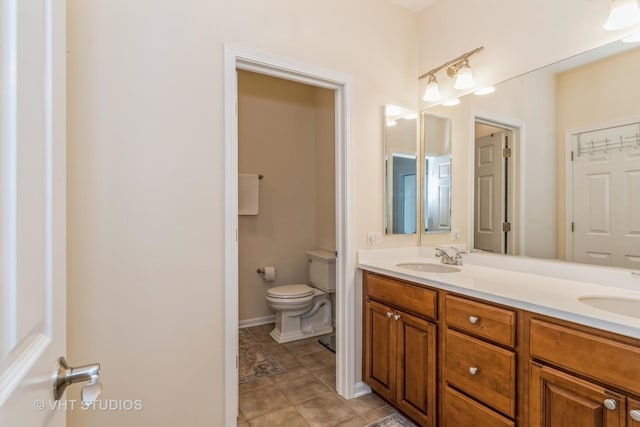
{"x":305,"y":394}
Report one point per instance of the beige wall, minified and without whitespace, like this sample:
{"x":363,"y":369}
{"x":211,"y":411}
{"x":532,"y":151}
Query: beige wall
{"x":596,"y":93}
{"x":285,"y":133}
{"x":145,"y":178}
{"x":146,"y":183}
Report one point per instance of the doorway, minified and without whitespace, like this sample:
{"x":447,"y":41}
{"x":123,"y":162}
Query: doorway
{"x":248,"y":60}
{"x":495,"y":179}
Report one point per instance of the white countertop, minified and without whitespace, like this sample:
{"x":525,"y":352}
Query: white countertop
{"x":553,"y":291}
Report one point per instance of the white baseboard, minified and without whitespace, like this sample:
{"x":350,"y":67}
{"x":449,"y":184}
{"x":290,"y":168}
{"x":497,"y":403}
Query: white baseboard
{"x":361,"y":389}
{"x":257,"y":321}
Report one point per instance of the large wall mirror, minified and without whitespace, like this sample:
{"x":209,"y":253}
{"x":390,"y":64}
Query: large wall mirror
{"x":552,"y":161}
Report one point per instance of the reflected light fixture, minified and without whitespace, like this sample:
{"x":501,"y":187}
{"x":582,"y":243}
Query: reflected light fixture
{"x":457,"y":68}
{"x":451,"y":102}
{"x":633,"y":38}
{"x":485,"y":90}
{"x":624,"y":14}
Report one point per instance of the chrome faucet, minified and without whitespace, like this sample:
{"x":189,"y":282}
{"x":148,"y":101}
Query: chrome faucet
{"x":445,"y":258}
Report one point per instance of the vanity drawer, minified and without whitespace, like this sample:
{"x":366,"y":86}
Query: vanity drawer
{"x":412,"y":298}
{"x":483,"y":320}
{"x":593,"y":356}
{"x":459,"y":410}
{"x":494,"y":379}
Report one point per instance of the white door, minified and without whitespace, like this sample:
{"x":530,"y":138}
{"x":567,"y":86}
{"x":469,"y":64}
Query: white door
{"x":606,"y":196}
{"x":438,"y":193}
{"x":489,"y":193}
{"x":32,"y":209}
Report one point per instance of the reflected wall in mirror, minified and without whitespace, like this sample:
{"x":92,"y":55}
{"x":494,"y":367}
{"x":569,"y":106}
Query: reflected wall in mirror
{"x":575,"y":178}
{"x":400,"y":166}
{"x":435,"y":149}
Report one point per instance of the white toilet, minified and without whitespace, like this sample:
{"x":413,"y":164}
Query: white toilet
{"x":304,"y":311}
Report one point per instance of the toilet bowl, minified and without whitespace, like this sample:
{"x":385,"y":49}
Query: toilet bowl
{"x":304,"y":311}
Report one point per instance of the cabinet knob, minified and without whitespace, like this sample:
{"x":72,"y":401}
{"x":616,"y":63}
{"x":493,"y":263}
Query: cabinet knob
{"x":396,"y":316}
{"x":473,"y":320}
{"x":389,"y":314}
{"x":610,"y":404}
{"x":473,"y":370}
{"x":634,"y":414}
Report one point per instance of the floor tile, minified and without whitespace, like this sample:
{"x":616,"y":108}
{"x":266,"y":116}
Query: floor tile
{"x":326,"y":410}
{"x":319,"y":360}
{"x":327,"y":376}
{"x":284,"y":417}
{"x":258,"y":383}
{"x":378,"y":413}
{"x":261,"y":401}
{"x":355,"y":422}
{"x":367,"y":403}
{"x":302,"y":388}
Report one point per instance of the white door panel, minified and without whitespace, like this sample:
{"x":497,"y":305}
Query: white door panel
{"x":32,"y":209}
{"x":606,"y":196}
{"x":489,"y":193}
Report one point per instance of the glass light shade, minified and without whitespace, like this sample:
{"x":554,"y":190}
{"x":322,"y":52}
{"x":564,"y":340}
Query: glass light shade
{"x":391,"y":123}
{"x":465,"y":78}
{"x":624,"y":14}
{"x":432,"y":93}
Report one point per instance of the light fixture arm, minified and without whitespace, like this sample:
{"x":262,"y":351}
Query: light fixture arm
{"x":460,"y":58}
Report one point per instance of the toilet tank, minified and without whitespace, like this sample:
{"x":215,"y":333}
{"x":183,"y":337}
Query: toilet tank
{"x":322,"y":270}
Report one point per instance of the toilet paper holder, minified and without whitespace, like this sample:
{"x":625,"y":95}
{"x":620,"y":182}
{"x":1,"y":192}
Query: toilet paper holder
{"x":260,"y":270}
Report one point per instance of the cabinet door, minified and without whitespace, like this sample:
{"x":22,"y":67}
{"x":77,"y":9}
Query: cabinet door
{"x":416,"y":392}
{"x":633,"y":413}
{"x":560,"y":400}
{"x":380,"y":349}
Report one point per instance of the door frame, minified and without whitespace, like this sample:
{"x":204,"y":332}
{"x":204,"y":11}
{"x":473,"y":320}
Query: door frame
{"x":250,"y":60}
{"x":517,"y":203}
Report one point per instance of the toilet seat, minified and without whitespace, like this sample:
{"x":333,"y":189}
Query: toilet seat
{"x":290,"y":291}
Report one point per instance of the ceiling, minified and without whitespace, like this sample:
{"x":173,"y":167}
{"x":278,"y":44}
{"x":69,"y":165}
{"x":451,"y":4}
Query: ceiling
{"x":415,"y":5}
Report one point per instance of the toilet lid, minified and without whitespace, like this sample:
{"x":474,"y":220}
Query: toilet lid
{"x":290,"y":291}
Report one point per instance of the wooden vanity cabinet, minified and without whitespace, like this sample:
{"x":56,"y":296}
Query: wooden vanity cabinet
{"x":399,"y":345}
{"x":479,"y":362}
{"x":582,"y":376}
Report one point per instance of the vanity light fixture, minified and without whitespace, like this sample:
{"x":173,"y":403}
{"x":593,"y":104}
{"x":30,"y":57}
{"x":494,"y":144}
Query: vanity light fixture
{"x":624,"y":14}
{"x":485,"y":90}
{"x":457,"y":68}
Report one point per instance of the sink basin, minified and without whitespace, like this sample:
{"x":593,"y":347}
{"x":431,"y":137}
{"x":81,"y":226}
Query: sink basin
{"x":428,"y":267}
{"x":618,"y":305}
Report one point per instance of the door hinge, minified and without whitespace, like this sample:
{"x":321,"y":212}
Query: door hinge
{"x":336,"y":254}
{"x":573,"y":227}
{"x":506,"y":226}
{"x":506,"y":152}
{"x":572,"y":156}
{"x":237,"y":362}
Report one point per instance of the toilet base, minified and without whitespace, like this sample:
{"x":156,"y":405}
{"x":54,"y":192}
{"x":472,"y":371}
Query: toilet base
{"x":316,"y":322}
{"x":281,"y":339}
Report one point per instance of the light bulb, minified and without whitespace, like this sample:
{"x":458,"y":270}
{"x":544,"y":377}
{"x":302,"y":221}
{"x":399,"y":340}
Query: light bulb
{"x":465,"y":78}
{"x":432,"y":93}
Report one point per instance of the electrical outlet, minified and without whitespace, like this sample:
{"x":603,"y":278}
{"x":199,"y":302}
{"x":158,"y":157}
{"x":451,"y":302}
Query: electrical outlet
{"x":374,"y":238}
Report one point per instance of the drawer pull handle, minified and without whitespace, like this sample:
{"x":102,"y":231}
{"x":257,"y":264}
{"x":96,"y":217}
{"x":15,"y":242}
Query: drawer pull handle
{"x":396,"y":316}
{"x":473,"y":370}
{"x":389,"y":314}
{"x":635,"y":414}
{"x":610,"y":404}
{"x":473,"y":320}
